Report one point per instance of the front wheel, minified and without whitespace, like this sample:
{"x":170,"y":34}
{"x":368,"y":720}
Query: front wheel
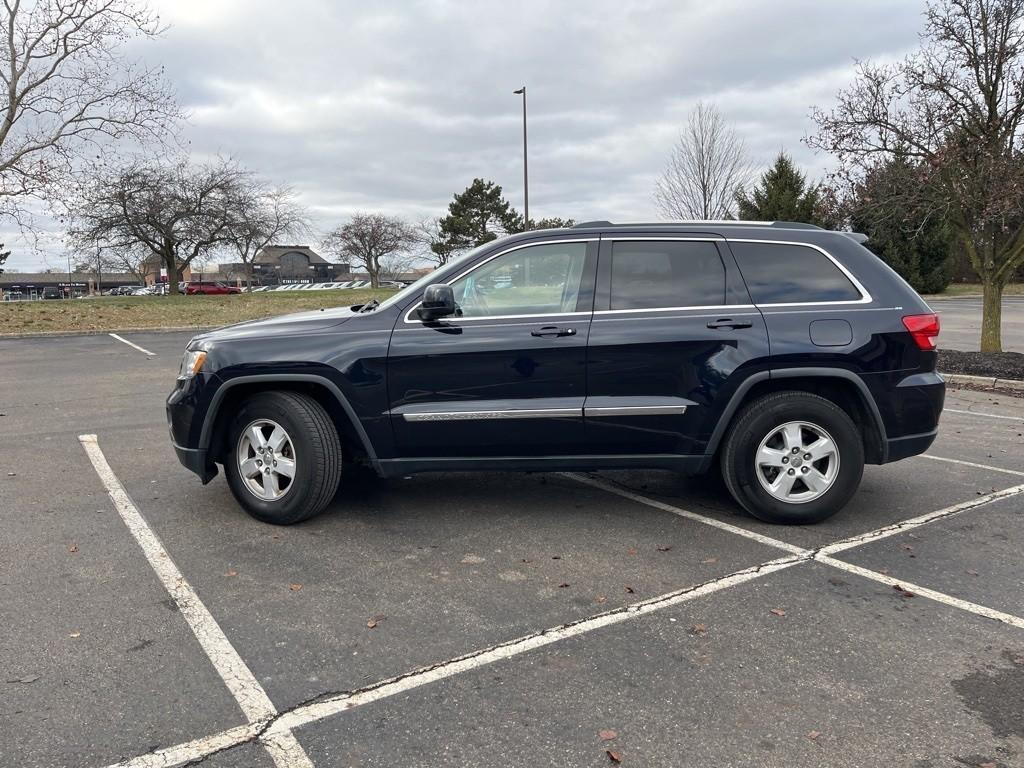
{"x":283,"y":461}
{"x":792,"y":457}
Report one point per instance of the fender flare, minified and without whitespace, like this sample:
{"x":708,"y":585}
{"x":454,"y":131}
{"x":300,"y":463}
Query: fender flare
{"x":206,"y":434}
{"x":792,"y":373}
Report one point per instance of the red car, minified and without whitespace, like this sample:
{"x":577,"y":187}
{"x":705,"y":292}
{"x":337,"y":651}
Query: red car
{"x":210,"y":289}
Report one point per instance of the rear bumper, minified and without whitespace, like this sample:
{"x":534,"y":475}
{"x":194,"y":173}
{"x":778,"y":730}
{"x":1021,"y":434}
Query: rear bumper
{"x":909,"y":445}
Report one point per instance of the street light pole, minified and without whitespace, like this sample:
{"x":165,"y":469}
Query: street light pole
{"x":526,"y":175}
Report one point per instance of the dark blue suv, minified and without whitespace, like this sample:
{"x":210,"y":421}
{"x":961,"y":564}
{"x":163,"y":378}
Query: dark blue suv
{"x":785,"y":355}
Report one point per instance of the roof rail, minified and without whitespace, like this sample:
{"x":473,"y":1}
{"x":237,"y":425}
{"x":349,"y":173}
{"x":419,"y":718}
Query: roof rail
{"x":715,"y":222}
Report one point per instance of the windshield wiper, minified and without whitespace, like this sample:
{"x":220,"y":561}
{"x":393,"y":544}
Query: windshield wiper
{"x":369,"y":306}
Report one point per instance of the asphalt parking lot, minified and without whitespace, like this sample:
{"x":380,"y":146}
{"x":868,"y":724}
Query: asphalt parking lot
{"x":961,"y":322}
{"x":490,"y":619}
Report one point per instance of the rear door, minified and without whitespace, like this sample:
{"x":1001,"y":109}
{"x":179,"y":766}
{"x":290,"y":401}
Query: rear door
{"x":674,"y":332}
{"x":508,"y":376}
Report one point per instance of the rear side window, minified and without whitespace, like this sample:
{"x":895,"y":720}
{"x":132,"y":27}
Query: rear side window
{"x":662,"y":273}
{"x":780,"y":273}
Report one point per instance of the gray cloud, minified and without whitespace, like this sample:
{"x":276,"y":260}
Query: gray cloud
{"x":396,"y":106}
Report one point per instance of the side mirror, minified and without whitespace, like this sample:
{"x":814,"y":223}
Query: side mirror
{"x":438,"y":301}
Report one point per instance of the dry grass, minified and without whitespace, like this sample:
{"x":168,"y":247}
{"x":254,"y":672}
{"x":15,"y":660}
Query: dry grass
{"x":111,"y":313}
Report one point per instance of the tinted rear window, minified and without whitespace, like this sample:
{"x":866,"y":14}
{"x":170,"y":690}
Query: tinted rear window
{"x":778,"y":273}
{"x":653,"y":274}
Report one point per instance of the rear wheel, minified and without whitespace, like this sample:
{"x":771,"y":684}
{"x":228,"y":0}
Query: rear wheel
{"x":792,"y":457}
{"x":283,"y":461}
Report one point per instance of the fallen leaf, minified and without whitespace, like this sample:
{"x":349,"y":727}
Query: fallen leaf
{"x":698,"y":629}
{"x":75,"y":634}
{"x":294,"y":587}
{"x":630,"y":591}
{"x":371,"y":623}
{"x":602,"y":598}
{"x":664,"y":549}
{"x":972,"y":573}
{"x":777,"y":611}
{"x":607,"y":735}
{"x":72,"y":548}
{"x":813,"y":735}
{"x":614,"y":755}
{"x":231,"y":573}
{"x":632,"y":551}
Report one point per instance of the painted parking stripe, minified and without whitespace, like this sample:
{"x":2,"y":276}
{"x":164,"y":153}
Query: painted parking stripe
{"x":917,"y":522}
{"x":314,"y":712}
{"x":917,"y":589}
{"x":239,"y":679}
{"x":980,"y":413}
{"x":685,"y":513}
{"x":987,"y":467}
{"x":130,"y":344}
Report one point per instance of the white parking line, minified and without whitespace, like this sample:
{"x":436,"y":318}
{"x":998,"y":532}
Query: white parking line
{"x":917,"y":589}
{"x":988,"y":415}
{"x":130,"y":344}
{"x":252,"y":699}
{"x":917,"y":522}
{"x":987,"y":467}
{"x":311,"y":713}
{"x":748,"y":534}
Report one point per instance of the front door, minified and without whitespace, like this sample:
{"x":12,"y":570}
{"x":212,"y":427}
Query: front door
{"x":673,"y":334}
{"x":507,"y":376}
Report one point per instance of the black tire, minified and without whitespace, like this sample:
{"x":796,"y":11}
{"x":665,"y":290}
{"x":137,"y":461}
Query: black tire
{"x":315,"y":449}
{"x":759,"y":419}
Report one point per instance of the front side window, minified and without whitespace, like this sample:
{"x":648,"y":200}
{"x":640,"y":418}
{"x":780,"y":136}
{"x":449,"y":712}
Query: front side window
{"x":780,"y":273}
{"x":536,"y":280}
{"x":660,"y":274}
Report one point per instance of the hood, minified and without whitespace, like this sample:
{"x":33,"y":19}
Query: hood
{"x":284,"y":325}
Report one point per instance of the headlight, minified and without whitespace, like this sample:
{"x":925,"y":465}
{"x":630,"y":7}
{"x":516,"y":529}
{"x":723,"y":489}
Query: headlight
{"x":191,"y":362}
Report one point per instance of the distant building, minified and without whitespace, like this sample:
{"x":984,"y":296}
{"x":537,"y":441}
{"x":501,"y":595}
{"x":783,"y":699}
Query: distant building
{"x":286,"y":264}
{"x":37,"y":285}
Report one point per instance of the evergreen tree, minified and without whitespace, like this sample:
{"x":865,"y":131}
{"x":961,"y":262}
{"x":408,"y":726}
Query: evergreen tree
{"x":3,"y":257}
{"x":909,"y":236}
{"x":476,"y":216}
{"x":783,"y":194}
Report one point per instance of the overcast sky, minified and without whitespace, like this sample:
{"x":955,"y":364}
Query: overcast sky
{"x":393,"y":107}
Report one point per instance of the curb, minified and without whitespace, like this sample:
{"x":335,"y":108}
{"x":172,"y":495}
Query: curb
{"x":984,"y":382}
{"x":55,"y":334}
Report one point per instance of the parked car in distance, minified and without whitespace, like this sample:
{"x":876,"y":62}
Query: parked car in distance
{"x":210,"y":289}
{"x":783,"y":355}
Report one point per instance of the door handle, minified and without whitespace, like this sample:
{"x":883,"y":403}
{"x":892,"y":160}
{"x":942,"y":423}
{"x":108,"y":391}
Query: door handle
{"x":725,"y":322}
{"x":552,"y":330}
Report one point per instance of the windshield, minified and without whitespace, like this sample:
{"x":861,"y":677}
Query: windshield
{"x":431,"y":277}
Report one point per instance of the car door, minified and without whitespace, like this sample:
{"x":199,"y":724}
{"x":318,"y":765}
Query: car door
{"x":674,"y":332}
{"x":507,"y":375}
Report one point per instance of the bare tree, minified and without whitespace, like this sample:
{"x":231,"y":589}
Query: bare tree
{"x":373,"y":241}
{"x":264,"y":214}
{"x":176,"y":214}
{"x":71,"y":95}
{"x":436,"y":247}
{"x":707,"y":166}
{"x":953,"y":109}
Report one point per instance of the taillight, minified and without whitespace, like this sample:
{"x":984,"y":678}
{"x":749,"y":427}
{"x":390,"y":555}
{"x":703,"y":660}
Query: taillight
{"x":924,"y":329}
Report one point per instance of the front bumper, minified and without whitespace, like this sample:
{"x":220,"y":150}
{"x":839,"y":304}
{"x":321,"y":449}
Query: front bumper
{"x":187,"y":407}
{"x":194,"y":459}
